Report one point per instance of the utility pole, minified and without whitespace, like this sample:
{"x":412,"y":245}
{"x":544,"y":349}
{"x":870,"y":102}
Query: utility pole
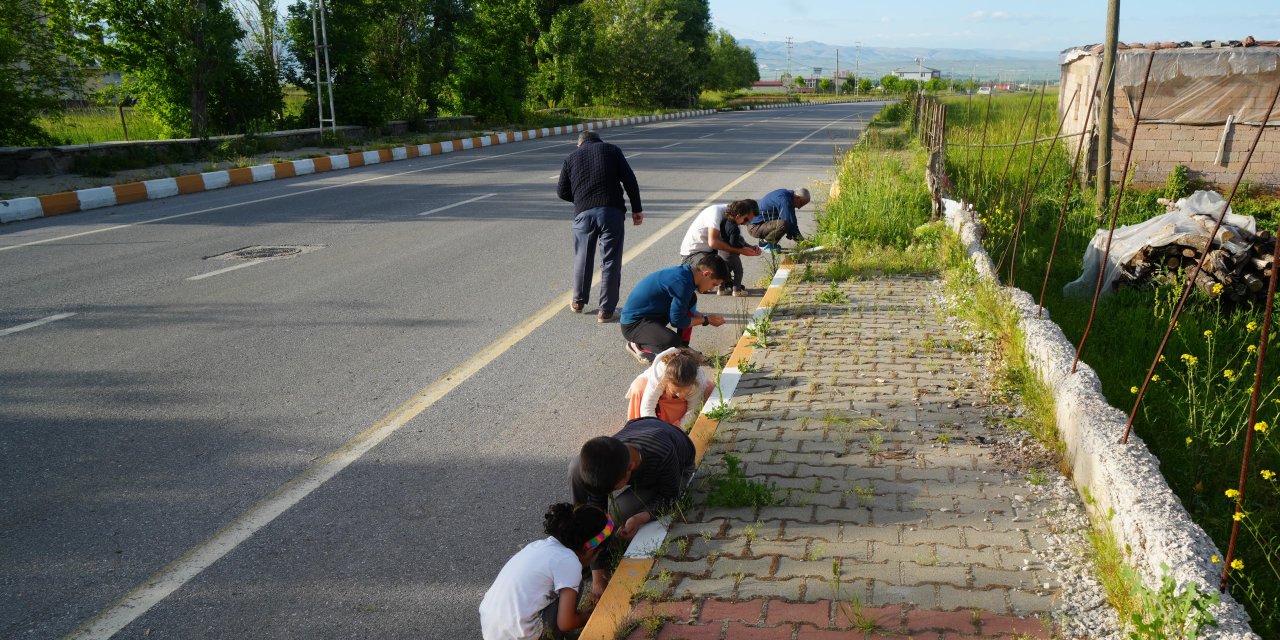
{"x":320,"y":37}
{"x":835,"y":75}
{"x":857,"y":68}
{"x":789,"y":57}
{"x":1106,"y":105}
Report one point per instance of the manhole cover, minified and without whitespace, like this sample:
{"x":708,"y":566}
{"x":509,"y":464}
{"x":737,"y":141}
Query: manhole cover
{"x":264,"y":252}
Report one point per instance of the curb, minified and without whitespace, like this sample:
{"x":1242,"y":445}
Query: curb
{"x":1124,"y":481}
{"x":615,"y":604}
{"x":27,"y":208}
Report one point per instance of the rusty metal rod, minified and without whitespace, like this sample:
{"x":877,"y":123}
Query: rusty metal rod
{"x":1026,"y":184}
{"x":1253,"y":416}
{"x":1071,"y":183}
{"x":1195,"y":271}
{"x":1029,"y":197}
{"x":1115,"y":211}
{"x":1012,"y":152}
{"x":982,"y":152}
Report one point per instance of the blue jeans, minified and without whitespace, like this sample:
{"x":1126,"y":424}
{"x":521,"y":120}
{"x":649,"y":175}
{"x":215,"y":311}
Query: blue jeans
{"x":603,"y":225}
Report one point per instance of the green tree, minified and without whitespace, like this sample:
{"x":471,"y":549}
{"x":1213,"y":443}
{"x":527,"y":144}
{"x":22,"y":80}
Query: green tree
{"x":694,"y":20}
{"x":180,"y":60}
{"x":567,"y":66}
{"x":825,"y":85}
{"x":643,"y":60}
{"x":732,"y":66}
{"x":865,"y":85}
{"x":41,"y":59}
{"x":495,"y":60}
{"x":891,"y":83}
{"x":799,"y":82}
{"x":935,"y":84}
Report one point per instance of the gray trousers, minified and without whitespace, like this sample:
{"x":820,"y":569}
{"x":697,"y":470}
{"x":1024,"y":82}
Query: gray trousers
{"x":603,"y":226}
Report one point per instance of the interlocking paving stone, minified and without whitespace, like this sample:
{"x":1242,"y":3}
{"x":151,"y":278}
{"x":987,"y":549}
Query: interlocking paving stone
{"x":870,"y":421}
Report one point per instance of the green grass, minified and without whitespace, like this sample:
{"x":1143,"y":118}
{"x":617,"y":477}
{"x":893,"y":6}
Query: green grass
{"x":102,"y":124}
{"x":1193,"y":416}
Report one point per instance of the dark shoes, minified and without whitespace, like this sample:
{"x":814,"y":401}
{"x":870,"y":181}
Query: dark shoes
{"x":576,"y":307}
{"x":607,"y":316}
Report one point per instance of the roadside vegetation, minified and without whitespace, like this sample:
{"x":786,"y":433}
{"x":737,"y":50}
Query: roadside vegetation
{"x":1193,"y":418}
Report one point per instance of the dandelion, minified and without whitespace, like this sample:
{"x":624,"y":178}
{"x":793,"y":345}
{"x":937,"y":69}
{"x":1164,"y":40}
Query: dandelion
{"x":1217,"y":289}
{"x":1232,"y":493}
{"x":1268,"y":474}
{"x":1237,"y":564}
{"x":1252,"y":326}
{"x":1215,"y":559}
{"x":1133,"y":390}
{"x":1261,"y":426}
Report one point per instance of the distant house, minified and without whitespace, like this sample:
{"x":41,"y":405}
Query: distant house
{"x":1203,"y":106}
{"x":769,"y":86}
{"x":918,"y":73}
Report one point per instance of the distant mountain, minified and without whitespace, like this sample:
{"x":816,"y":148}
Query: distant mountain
{"x":873,"y":62}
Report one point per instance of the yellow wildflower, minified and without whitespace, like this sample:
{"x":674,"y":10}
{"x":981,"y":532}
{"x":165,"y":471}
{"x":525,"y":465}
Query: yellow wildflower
{"x":1237,"y":564}
{"x":1188,"y":441}
{"x":1261,"y":426}
{"x":1232,"y":493}
{"x":1155,"y":378}
{"x":1251,"y":348}
{"x":1237,"y":516}
{"x":1229,"y":374}
{"x":1268,"y":474}
{"x":1208,"y":334}
{"x":1133,"y":389}
{"x":1162,"y":358}
{"x":1190,"y":360}
{"x":1215,"y":559}
{"x":1217,"y":288}
{"x":1252,"y":326}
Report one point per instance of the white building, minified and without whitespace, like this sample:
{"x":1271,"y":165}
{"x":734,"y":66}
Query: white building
{"x":918,"y":72}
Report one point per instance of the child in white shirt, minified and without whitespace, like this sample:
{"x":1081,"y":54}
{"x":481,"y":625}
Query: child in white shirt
{"x":670,"y":387}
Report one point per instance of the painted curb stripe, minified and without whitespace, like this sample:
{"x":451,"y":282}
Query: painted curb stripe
{"x":615,"y":604}
{"x":26,"y":208}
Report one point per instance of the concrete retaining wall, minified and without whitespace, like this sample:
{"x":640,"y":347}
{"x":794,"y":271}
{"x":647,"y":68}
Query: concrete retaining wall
{"x":1123,"y":482}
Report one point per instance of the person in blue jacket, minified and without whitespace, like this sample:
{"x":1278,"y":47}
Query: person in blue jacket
{"x":777,"y":217}
{"x":662,"y":309}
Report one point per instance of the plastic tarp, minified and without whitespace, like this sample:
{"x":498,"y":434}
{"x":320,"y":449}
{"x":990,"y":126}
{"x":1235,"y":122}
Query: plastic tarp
{"x":1159,"y":231}
{"x":1194,"y":85}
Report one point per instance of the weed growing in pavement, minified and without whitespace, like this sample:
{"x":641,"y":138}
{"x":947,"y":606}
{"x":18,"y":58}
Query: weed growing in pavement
{"x":814,"y":552}
{"x":731,"y":488}
{"x":853,"y":607}
{"x":807,"y":275}
{"x":1035,"y":477}
{"x":839,"y":269}
{"x":747,"y":366}
{"x":832,"y":295}
{"x":874,"y":442}
{"x":1168,"y":613}
{"x":866,"y":494}
{"x":759,"y":329}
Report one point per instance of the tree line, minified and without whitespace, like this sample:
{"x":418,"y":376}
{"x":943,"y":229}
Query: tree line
{"x":207,"y":67}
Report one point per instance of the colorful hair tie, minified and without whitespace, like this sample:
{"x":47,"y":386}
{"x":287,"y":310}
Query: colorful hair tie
{"x":603,"y":535}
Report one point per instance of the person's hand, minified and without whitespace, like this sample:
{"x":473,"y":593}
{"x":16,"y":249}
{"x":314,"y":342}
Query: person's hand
{"x":598,"y":582}
{"x":752,"y":251}
{"x":637,"y":217}
{"x":715,"y":319}
{"x":633,"y":524}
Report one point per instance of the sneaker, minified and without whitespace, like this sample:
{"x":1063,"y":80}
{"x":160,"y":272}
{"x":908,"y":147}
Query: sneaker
{"x":606,"y":316}
{"x":740,"y":292}
{"x":770,"y":247}
{"x":723,"y":290}
{"x":576,"y":307}
{"x":642,"y":356}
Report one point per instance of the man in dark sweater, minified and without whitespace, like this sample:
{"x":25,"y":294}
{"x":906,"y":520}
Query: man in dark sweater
{"x":669,"y":297}
{"x":653,"y":459}
{"x":777,"y":217}
{"x":593,"y":178}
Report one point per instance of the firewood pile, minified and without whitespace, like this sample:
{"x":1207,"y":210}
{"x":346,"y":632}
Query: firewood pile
{"x":1239,"y":261}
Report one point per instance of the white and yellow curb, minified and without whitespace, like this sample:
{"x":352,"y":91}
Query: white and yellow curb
{"x":55,"y":204}
{"x":628,"y":578}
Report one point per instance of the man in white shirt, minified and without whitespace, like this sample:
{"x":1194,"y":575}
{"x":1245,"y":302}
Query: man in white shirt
{"x":715,"y":230}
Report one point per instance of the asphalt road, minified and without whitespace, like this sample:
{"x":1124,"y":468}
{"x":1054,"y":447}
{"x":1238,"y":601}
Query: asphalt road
{"x":264,"y":408}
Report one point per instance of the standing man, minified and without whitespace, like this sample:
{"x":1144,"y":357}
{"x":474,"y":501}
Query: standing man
{"x":593,"y":179}
{"x":778,"y":217}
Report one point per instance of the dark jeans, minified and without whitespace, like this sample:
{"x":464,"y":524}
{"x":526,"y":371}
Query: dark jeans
{"x":602,"y":225}
{"x":771,"y":231}
{"x":734,"y":260}
{"x":654,"y":336}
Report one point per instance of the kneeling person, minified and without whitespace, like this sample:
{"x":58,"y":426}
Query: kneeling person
{"x":716,"y":229}
{"x":668,"y":298}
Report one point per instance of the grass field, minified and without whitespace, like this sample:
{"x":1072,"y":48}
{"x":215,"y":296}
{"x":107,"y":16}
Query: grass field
{"x":102,"y":124}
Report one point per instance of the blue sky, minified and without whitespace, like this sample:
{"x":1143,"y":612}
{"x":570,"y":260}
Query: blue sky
{"x":1031,"y":25}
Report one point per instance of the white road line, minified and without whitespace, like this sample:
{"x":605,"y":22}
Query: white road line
{"x":633,"y":155}
{"x":195,"y":560}
{"x":672,"y":145}
{"x":457,"y":204}
{"x":230,"y":268}
{"x":32,"y":325}
{"x":553,"y":177}
{"x":706,"y":136}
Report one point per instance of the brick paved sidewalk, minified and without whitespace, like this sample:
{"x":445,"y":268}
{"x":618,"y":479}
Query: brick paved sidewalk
{"x":900,"y":515}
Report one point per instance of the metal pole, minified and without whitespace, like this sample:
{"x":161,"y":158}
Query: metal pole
{"x":328,"y":75}
{"x":1106,"y":105}
{"x":315,"y":40}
